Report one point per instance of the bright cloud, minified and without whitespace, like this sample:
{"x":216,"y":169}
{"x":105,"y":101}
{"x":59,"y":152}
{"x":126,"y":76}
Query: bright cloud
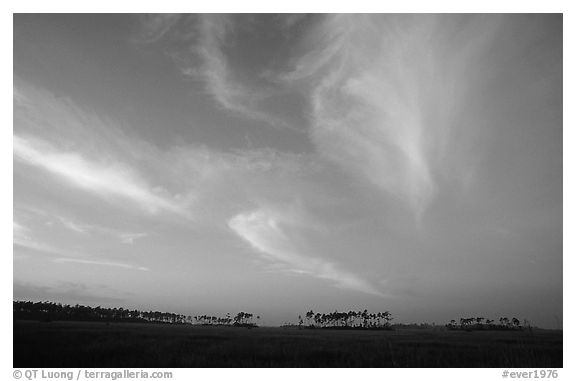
{"x":263,"y":231}
{"x":19,"y":230}
{"x":383,"y":89}
{"x":74,"y":226}
{"x":100,"y":263}
{"x":23,"y":237}
{"x":108,"y":180}
{"x":129,"y":238}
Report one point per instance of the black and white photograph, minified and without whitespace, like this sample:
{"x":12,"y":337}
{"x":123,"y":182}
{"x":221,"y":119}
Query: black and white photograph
{"x":288,"y":190}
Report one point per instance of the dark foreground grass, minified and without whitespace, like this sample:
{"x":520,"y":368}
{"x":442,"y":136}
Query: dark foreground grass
{"x":137,"y":345}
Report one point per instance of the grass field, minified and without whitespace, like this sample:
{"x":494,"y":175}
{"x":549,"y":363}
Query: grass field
{"x":95,"y":344}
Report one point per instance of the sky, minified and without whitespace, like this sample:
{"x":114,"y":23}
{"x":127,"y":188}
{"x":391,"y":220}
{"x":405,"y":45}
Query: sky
{"x":213,"y":163}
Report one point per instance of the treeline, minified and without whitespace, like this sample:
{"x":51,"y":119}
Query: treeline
{"x":480,"y":323}
{"x":347,"y":320}
{"x":242,"y":319}
{"x":49,"y":311}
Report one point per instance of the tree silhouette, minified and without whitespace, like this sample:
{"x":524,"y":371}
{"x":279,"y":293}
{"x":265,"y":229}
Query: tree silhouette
{"x":468,"y":324}
{"x":48,"y":311}
{"x":347,"y":320}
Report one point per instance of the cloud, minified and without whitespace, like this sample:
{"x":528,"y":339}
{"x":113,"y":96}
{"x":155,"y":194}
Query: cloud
{"x":74,"y":226}
{"x":107,"y":180}
{"x":288,"y":21}
{"x":22,"y":237}
{"x":218,"y":77}
{"x":87,"y":154}
{"x":263,"y":230}
{"x":19,"y":98}
{"x":383,"y":91}
{"x":20,"y":232}
{"x":49,"y":218}
{"x":207,"y":38}
{"x":100,"y":263}
{"x":155,"y":26}
{"x":35,"y":245}
{"x":129,"y":238}
{"x":102,"y":158}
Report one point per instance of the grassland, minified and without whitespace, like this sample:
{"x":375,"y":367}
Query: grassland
{"x":138,"y":345}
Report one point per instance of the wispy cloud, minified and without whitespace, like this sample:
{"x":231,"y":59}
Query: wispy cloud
{"x":155,"y":26}
{"x":263,"y":231}
{"x":107,"y":180}
{"x":22,"y":237}
{"x":100,"y":263}
{"x":383,"y":89}
{"x":207,"y":38}
{"x":85,"y":229}
{"x":74,"y":226}
{"x":129,"y":238}
{"x":29,"y":243}
{"x":20,"y":232}
{"x":96,"y":156}
{"x":219,"y":78}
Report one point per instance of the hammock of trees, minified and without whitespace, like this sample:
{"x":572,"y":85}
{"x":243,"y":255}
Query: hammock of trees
{"x":347,"y":320}
{"x":480,"y":323}
{"x":49,"y":311}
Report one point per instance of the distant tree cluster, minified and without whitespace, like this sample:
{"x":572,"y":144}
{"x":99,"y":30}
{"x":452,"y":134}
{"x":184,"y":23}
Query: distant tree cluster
{"x":350,"y":319}
{"x":480,"y":323}
{"x":243,"y":319}
{"x":213,"y":320}
{"x":49,"y":311}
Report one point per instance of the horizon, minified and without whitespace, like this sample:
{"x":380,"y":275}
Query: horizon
{"x":259,"y":321}
{"x":205,"y":164}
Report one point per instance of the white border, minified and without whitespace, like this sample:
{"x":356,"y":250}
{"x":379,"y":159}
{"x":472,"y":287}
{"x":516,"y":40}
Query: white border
{"x":437,"y":6}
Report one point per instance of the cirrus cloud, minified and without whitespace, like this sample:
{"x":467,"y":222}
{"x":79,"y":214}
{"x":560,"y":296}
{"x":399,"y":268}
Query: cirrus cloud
{"x":107,"y":180}
{"x":263,"y":230}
